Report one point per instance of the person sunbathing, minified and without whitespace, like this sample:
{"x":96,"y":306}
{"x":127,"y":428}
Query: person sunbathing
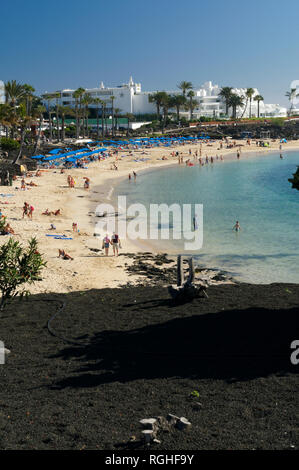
{"x":7,"y":229}
{"x":38,"y":173}
{"x":31,"y":184}
{"x":64,"y":255}
{"x":47,"y":212}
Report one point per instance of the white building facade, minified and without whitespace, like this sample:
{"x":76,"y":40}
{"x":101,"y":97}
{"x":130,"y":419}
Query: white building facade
{"x":129,"y":98}
{"x":211,"y":104}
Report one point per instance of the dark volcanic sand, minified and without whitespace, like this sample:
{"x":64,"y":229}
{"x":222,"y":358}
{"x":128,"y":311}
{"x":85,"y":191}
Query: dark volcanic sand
{"x":142,"y":357}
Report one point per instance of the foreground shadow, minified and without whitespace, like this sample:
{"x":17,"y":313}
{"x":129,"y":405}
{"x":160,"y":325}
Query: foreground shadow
{"x":230,"y":345}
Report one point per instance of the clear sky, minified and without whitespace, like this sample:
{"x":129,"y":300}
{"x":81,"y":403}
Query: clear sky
{"x":70,"y":43}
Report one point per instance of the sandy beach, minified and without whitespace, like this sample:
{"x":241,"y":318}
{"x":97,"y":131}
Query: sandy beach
{"x":90,"y":269}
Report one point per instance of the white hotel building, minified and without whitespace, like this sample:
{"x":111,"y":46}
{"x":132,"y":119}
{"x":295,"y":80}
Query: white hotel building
{"x":130,"y":99}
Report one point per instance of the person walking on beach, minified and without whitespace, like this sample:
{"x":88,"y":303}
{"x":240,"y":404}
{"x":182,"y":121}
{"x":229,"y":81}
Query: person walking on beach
{"x":25,"y":209}
{"x":115,"y":240}
{"x":106,"y":244}
{"x":31,"y":209}
{"x":135,"y":175}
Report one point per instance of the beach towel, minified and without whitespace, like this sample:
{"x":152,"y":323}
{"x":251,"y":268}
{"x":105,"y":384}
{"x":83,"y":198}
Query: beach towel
{"x":62,"y":238}
{"x":54,"y":235}
{"x":6,"y":195}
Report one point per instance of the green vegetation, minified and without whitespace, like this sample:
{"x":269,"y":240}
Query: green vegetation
{"x":18,"y":266}
{"x":8,"y":144}
{"x":295,"y":180}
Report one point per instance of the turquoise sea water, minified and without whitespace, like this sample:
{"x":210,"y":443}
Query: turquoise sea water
{"x":254,"y":190}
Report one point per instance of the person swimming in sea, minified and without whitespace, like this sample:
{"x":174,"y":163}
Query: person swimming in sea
{"x":195,"y":223}
{"x":237,"y":226}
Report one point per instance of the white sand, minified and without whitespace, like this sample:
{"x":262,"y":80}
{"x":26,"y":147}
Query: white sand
{"x":89,"y":269}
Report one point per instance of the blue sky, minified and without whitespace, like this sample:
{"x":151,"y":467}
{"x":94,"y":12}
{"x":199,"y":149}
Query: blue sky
{"x":71,"y":43}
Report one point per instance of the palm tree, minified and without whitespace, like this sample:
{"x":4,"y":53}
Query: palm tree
{"x":97,"y":102}
{"x":78,"y":103}
{"x":258,"y":98}
{"x":235,"y":102}
{"x":192,"y":103}
{"x":291,"y":95}
{"x":64,"y":111}
{"x":166,"y":103}
{"x":226,"y":93}
{"x":112,"y":98}
{"x":14,"y":92}
{"x":157,"y":98}
{"x":103,"y":104}
{"x":130,"y":118}
{"x":23,"y":120}
{"x":56,"y":95}
{"x":48,"y":97}
{"x":39,"y":111}
{"x":178,"y":101}
{"x":28,"y":95}
{"x":248,"y":94}
{"x":86,"y":101}
{"x":184,"y":86}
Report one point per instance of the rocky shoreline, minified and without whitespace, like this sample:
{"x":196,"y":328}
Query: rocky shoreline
{"x":161,"y":270}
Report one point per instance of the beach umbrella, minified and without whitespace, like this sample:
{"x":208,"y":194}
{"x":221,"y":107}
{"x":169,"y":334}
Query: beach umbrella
{"x":54,"y":151}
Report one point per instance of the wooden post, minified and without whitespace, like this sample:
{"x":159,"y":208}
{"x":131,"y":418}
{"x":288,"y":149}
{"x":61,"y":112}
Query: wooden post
{"x":186,"y":291}
{"x":180,"y":271}
{"x":191,"y":271}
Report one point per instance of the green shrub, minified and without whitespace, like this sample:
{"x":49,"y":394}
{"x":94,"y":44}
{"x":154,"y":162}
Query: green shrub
{"x":9,"y":145}
{"x":295,"y":180}
{"x":2,"y":224}
{"x":18,"y":265}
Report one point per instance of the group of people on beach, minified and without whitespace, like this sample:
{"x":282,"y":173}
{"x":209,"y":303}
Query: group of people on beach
{"x":114,"y":241}
{"x":28,"y":210}
{"x":134,"y":175}
{"x":71,"y":182}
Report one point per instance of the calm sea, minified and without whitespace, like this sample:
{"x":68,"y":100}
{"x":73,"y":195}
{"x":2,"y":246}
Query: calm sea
{"x":254,"y":190}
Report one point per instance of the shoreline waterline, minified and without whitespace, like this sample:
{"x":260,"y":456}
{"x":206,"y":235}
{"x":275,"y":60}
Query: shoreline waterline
{"x":205,"y":261}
